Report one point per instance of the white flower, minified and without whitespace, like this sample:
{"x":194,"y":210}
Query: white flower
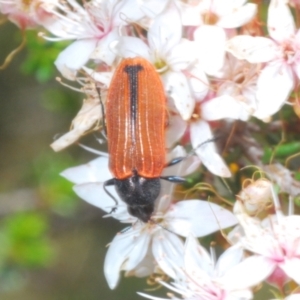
{"x":213,"y":17}
{"x":275,"y":243}
{"x":284,"y":178}
{"x":256,"y":196}
{"x":223,"y":13}
{"x":159,"y":240}
{"x":152,"y":8}
{"x":235,"y":92}
{"x":281,"y":53}
{"x":201,"y":134}
{"x":202,"y":278}
{"x":201,"y":137}
{"x":142,"y":249}
{"x":172,"y":56}
{"x":27,"y":14}
{"x":93,"y":26}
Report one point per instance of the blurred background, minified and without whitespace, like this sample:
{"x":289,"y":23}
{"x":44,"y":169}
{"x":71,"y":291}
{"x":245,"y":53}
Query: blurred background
{"x":52,"y":244}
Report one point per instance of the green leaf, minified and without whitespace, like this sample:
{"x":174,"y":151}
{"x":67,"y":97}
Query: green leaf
{"x":281,"y":151}
{"x":41,"y":55}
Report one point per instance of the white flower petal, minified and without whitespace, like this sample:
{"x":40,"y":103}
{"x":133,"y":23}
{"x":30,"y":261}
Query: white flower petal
{"x":186,"y":166}
{"x":152,"y":8}
{"x":190,"y":14}
{"x":224,"y":7}
{"x":291,"y":225}
{"x":128,"y":46}
{"x":165,"y":31}
{"x":157,"y":298}
{"x":253,"y":49}
{"x":257,"y":269}
{"x":229,"y":258}
{"x":297,"y":64}
{"x":236,"y":234}
{"x":69,"y":25}
{"x":249,"y":98}
{"x":198,"y":217}
{"x":57,"y":27}
{"x":284,"y":178}
{"x":102,"y":77}
{"x":197,"y":260}
{"x":291,"y":268}
{"x":178,"y":151}
{"x":224,"y":107}
{"x":164,"y":200}
{"x":167,"y":248}
{"x":145,"y":268}
{"x":175,"y":130}
{"x":293,"y":297}
{"x":181,"y":55}
{"x":126,"y":11}
{"x":103,"y":50}
{"x":199,"y":82}
{"x":210,"y":41}
{"x":281,"y":25}
{"x":70,"y":60}
{"x":297,"y":70}
{"x":94,"y":194}
{"x":200,"y":133}
{"x":239,"y":16}
{"x":137,"y":254}
{"x":244,"y":294}
{"x":94,"y":171}
{"x":177,"y":85}
{"x":120,"y":249}
{"x":214,"y":162}
{"x":274,"y":86}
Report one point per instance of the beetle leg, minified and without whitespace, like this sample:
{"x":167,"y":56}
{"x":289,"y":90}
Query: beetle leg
{"x":175,"y":161}
{"x":174,"y":179}
{"x":179,"y":159}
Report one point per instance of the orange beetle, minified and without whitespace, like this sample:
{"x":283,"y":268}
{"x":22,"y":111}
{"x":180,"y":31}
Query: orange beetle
{"x":135,"y":123}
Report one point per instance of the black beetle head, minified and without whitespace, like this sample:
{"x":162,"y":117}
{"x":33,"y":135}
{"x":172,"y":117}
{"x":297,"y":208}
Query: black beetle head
{"x":143,"y":213}
{"x":139,"y":194}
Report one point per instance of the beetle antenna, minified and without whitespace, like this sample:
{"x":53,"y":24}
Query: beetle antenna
{"x":89,"y":149}
{"x":125,"y":229}
{"x":103,"y":112}
{"x":181,"y":158}
{"x":213,"y":139}
{"x":105,"y":184}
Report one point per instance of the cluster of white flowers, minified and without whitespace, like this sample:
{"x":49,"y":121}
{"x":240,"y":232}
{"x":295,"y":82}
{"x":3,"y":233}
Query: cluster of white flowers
{"x":217,"y":65}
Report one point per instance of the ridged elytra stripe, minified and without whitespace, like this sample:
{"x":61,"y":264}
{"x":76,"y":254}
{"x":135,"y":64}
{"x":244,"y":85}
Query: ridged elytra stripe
{"x":132,"y":72}
{"x":135,"y":120}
